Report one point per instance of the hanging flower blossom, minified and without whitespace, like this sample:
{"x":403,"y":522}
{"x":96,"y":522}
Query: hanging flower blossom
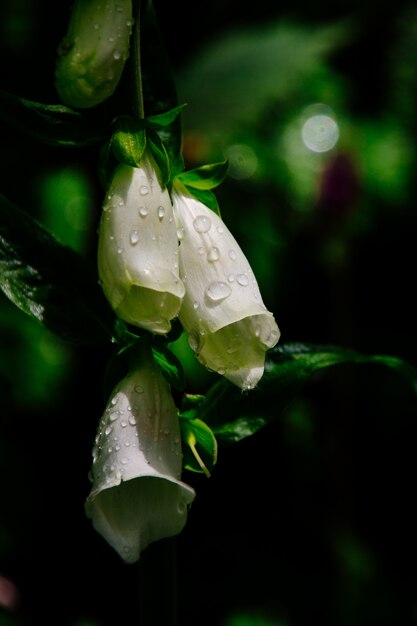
{"x":137,"y":496}
{"x":93,"y":53}
{"x":138,"y":249}
{"x":228,"y":325}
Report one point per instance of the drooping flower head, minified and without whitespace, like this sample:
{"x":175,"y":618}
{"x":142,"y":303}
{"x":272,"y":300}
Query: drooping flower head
{"x":93,"y":53}
{"x":228,"y":325}
{"x":138,"y":249}
{"x":137,"y":496}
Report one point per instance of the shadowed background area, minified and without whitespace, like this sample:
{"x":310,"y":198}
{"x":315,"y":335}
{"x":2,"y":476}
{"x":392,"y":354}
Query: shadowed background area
{"x":311,"y":521}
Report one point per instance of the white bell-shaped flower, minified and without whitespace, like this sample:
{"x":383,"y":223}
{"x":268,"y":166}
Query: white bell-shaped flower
{"x":92,"y":55}
{"x":137,"y":496}
{"x":138,"y":249}
{"x":228,"y":325}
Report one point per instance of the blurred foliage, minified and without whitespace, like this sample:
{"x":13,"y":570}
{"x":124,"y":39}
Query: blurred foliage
{"x":311,"y":521}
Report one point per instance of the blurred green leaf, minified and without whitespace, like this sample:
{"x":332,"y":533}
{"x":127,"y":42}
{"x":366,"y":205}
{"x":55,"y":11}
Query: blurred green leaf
{"x":53,"y":124}
{"x":234,"y":415}
{"x":204,"y":177}
{"x":51,"y":282}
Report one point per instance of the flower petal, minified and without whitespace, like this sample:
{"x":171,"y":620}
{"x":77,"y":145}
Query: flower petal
{"x":137,"y":496}
{"x":228,"y":324}
{"x":138,"y":249}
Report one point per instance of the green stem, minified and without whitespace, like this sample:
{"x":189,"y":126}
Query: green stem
{"x":158,"y":584}
{"x":138,"y":106}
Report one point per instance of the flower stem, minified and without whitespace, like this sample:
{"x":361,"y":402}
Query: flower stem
{"x":158,"y":584}
{"x":138,"y":106}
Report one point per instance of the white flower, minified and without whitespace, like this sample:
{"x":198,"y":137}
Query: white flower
{"x":137,"y":496}
{"x":93,"y":53}
{"x":138,"y":249}
{"x":228,"y":324}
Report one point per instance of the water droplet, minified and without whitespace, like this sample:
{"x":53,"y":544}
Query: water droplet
{"x":126,"y":549}
{"x":117,"y":55}
{"x":218,"y":291}
{"x":195,"y":305}
{"x":96,"y":26}
{"x":134,"y":237}
{"x":121,"y":203}
{"x":113,"y":416}
{"x":127,"y":444}
{"x":243,"y":280}
{"x":119,"y":250}
{"x":123,"y":423}
{"x":109,"y":450}
{"x":161,"y":212}
{"x":232,"y":255}
{"x":202,"y":224}
{"x":143,"y":211}
{"x":180,"y":233}
{"x":108,"y":430}
{"x":201,"y":250}
{"x":114,"y":400}
{"x":213,"y":254}
{"x":130,"y":23}
{"x":138,"y":389}
{"x":143,"y":190}
{"x":117,"y":448}
{"x":181,"y":508}
{"x":132,"y":420}
{"x":231,"y":278}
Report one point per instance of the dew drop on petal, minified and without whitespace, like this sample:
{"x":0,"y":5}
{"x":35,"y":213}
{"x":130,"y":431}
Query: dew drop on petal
{"x":180,"y":233}
{"x":231,"y":278}
{"x":143,"y":190}
{"x":123,"y":423}
{"x":114,"y":400}
{"x":218,"y":291}
{"x":161,"y":212}
{"x":202,"y":224}
{"x":132,"y":420}
{"x":243,"y":280}
{"x":117,"y":447}
{"x":201,"y":250}
{"x":143,"y":211}
{"x":108,"y":430}
{"x":195,"y":305}
{"x":117,"y":55}
{"x":124,"y":461}
{"x":181,"y":507}
{"x":213,"y":254}
{"x":138,"y":389}
{"x":134,"y":237}
{"x":232,"y":255}
{"x":113,"y":416}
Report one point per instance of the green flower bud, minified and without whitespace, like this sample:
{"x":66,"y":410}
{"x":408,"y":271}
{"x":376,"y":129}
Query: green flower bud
{"x":93,"y":53}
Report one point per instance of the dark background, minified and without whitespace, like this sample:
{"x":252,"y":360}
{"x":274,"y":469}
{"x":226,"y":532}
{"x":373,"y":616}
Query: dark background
{"x":312,"y":520}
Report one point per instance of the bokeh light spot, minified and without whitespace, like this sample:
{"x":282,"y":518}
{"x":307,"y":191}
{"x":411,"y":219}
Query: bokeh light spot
{"x":243,"y":161}
{"x":320,"y":133}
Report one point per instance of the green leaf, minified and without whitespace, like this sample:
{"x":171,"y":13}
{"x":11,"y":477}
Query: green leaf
{"x":51,"y":282}
{"x":206,"y":197}
{"x":234,"y":415}
{"x":161,"y":157}
{"x":169,"y":364}
{"x":159,"y":89}
{"x":199,"y":446}
{"x":161,"y":120}
{"x":53,"y":124}
{"x":129,"y":141}
{"x":204,"y":177}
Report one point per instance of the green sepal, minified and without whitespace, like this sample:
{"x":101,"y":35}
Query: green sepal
{"x":162,"y":120}
{"x":205,"y":177}
{"x":128,"y":142}
{"x":199,"y":446}
{"x":287,"y":368}
{"x":189,"y":405}
{"x":169,"y":364}
{"x":206,"y":197}
{"x":161,"y":157}
{"x":53,"y":124}
{"x":51,"y":282}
